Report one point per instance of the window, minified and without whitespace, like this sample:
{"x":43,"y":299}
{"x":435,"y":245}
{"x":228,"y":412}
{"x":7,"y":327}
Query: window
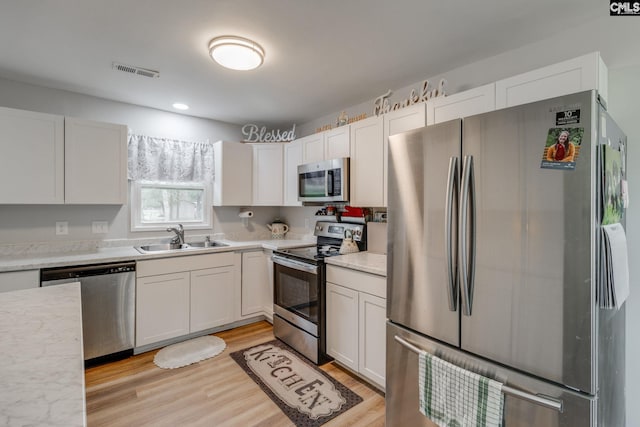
{"x":157,"y":205}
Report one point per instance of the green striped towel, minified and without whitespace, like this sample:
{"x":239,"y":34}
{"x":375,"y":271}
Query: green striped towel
{"x":454,"y":397}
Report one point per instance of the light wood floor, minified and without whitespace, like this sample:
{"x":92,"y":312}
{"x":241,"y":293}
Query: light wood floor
{"x":214,"y":392}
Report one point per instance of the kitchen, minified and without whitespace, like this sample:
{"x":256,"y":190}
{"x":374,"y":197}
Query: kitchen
{"x":23,"y":226}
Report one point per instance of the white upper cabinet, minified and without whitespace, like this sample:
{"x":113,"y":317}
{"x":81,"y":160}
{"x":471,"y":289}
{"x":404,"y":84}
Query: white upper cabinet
{"x":50,"y":159}
{"x":463,"y":104}
{"x":268,"y":172}
{"x":233,"y":180}
{"x":367,"y":162}
{"x":586,"y":72}
{"x":312,"y":148}
{"x":32,"y":160}
{"x":398,"y":121}
{"x":293,"y":156}
{"x":331,"y":144}
{"x":95,"y":156}
{"x":404,"y":119}
{"x":336,"y":143}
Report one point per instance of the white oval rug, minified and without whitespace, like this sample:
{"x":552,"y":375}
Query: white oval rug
{"x":188,"y":352}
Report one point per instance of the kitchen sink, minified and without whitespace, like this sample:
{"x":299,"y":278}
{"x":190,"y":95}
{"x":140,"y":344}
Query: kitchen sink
{"x":206,"y":244}
{"x":175,"y":247}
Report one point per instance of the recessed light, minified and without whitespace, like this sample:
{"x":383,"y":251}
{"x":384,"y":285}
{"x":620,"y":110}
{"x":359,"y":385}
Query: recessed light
{"x":180,"y":106}
{"x":236,"y":53}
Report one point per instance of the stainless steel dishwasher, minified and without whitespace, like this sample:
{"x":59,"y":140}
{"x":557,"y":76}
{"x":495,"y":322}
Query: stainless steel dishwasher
{"x":108,"y":305}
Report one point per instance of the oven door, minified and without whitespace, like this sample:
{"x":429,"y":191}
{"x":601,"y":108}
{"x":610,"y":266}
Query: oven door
{"x":296,"y":294}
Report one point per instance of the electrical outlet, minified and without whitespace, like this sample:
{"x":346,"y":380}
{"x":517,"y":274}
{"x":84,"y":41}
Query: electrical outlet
{"x":99,"y":227}
{"x":62,"y":227}
{"x":306,"y":223}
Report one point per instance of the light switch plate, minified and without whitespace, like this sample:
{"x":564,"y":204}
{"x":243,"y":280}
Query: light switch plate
{"x":62,"y":227}
{"x":99,"y":227}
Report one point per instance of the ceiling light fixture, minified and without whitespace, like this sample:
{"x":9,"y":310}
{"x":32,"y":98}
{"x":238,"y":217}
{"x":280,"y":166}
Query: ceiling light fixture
{"x":180,"y":106}
{"x":236,"y":53}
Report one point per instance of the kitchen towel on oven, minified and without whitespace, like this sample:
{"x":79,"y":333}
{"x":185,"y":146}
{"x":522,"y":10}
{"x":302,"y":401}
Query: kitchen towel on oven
{"x":452,"y":396}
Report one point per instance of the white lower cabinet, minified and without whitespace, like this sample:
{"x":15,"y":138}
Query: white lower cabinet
{"x":257,"y":293}
{"x":342,"y":325}
{"x":183,"y":295}
{"x":372,"y":311}
{"x":257,"y":284}
{"x":162,"y":307}
{"x":356,"y":321}
{"x":212,"y":298}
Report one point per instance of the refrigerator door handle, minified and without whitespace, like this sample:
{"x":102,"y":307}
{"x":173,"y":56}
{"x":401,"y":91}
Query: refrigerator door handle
{"x":538,"y":399}
{"x":452,"y":187}
{"x":466,"y":266}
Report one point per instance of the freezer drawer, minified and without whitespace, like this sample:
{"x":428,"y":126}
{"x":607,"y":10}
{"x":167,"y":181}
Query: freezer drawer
{"x":402,"y":388}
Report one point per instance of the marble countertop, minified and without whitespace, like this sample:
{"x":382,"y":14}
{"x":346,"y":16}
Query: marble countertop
{"x":41,"y":358}
{"x":368,"y":262}
{"x":128,"y":253}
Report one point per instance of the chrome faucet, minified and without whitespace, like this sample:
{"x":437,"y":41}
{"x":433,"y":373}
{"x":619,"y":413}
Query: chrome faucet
{"x":179,"y":237}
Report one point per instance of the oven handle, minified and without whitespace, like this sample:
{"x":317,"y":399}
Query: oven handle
{"x":296,"y":265}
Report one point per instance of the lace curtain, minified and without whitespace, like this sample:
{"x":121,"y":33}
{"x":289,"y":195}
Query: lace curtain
{"x":160,"y":159}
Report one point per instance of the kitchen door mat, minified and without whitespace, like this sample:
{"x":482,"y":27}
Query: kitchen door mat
{"x":306,"y":394}
{"x":188,"y":352}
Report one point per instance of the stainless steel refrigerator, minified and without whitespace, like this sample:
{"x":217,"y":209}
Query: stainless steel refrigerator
{"x":494,"y":257}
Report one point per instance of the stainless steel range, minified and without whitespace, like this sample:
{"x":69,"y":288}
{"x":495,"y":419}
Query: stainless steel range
{"x":299,"y":288}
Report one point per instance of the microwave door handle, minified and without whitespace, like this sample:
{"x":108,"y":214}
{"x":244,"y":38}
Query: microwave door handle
{"x":329,"y":183}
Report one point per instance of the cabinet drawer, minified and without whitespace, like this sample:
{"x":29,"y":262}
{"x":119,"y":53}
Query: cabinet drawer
{"x":358,"y":280}
{"x":183,"y":263}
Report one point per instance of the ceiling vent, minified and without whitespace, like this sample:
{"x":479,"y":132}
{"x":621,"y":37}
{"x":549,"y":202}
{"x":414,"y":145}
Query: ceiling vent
{"x":136,"y":70}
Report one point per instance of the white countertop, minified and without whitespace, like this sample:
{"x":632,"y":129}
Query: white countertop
{"x":128,"y":253}
{"x":368,"y":262}
{"x":41,"y":359}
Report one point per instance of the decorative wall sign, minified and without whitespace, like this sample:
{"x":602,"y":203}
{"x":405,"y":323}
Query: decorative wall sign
{"x":323,"y":128}
{"x":253,"y":133}
{"x":381,"y":105}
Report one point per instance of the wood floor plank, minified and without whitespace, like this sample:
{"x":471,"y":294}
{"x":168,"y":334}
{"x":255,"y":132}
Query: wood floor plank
{"x":214,"y":392}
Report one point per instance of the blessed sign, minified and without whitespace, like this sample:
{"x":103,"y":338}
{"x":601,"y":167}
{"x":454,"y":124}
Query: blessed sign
{"x":254,"y":133}
{"x":381,"y":105}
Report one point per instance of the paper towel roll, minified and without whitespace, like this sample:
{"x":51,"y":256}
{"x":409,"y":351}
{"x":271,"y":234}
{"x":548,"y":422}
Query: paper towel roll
{"x":245,"y":214}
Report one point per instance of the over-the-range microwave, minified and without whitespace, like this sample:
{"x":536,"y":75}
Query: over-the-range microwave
{"x":326,"y":181}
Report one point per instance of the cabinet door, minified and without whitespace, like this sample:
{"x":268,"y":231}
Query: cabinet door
{"x":268,"y":170}
{"x":399,"y":121}
{"x":372,"y":337}
{"x":95,"y":156}
{"x":367,"y":162}
{"x":162,"y":307}
{"x":462,"y":104}
{"x":233,"y":181}
{"x":313,"y":148}
{"x":579,"y":74}
{"x":293,"y":156}
{"x":336,"y":143}
{"x":212,"y":298}
{"x":342,"y":325}
{"x":255,"y":283}
{"x":32,"y":160}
